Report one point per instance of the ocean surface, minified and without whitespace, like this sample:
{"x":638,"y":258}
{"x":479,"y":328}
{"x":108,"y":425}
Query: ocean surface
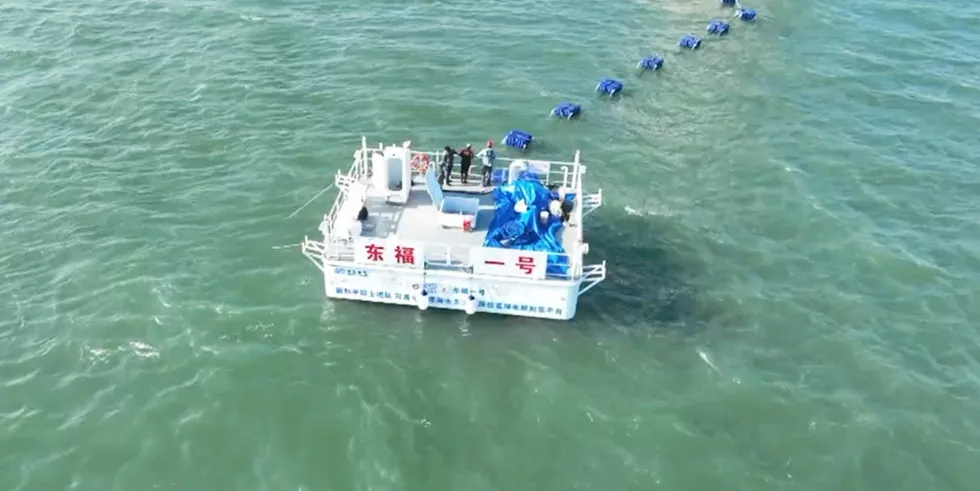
{"x":791,"y":224}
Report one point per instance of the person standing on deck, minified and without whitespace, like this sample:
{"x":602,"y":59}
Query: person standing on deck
{"x":465,"y":161}
{"x":489,"y":156}
{"x":448,"y":154}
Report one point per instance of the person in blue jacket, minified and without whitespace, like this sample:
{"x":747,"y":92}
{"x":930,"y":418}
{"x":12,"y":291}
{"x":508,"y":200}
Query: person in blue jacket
{"x":489,"y":155}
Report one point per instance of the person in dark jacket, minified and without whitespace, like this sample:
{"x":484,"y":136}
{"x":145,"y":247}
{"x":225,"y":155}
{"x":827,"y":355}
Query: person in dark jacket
{"x":465,"y":161}
{"x":448,"y":154}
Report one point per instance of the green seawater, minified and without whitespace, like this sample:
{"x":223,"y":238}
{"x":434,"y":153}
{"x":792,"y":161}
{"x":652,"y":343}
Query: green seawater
{"x":791,"y":225}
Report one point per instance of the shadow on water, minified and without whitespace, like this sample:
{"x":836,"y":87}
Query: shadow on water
{"x":650,"y":281}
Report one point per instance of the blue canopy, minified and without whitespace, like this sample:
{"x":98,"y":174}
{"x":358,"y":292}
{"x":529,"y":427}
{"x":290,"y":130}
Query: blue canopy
{"x":524,"y":231}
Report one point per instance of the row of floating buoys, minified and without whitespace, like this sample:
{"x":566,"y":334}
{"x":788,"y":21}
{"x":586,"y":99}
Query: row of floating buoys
{"x":612,"y":87}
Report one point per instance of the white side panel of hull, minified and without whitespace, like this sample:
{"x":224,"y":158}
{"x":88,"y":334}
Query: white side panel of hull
{"x":449,"y":290}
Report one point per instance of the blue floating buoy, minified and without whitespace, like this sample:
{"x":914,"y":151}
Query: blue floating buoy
{"x":518,"y":139}
{"x":652,"y":62}
{"x":566,"y":110}
{"x":729,"y":3}
{"x":690,"y":42}
{"x":609,"y":87}
{"x":718,"y":27}
{"x":745,"y":14}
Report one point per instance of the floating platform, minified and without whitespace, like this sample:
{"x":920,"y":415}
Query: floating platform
{"x":690,"y":41}
{"x":394,"y":235}
{"x":567,"y":110}
{"x":609,"y":86}
{"x":652,"y":62}
{"x":718,"y":27}
{"x":747,"y":15}
{"x":518,"y":139}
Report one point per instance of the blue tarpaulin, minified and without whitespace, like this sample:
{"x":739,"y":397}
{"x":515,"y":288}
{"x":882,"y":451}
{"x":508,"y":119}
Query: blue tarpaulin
{"x":524,"y":231}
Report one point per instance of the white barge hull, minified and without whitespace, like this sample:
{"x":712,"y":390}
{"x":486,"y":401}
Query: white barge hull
{"x":395,"y":235}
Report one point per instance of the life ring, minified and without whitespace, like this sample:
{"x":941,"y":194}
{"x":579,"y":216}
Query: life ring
{"x":421,"y":163}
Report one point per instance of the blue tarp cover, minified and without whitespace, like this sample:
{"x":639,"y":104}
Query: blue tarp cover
{"x":524,"y":231}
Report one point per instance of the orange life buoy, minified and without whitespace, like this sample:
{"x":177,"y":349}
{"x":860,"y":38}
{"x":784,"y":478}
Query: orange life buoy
{"x":421,"y":163}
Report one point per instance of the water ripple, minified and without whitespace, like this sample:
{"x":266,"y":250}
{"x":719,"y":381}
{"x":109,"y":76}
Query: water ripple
{"x":789,"y":221}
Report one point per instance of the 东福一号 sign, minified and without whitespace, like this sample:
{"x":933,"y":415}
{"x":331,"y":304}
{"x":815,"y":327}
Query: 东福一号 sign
{"x":371,"y":250}
{"x":509,"y":262}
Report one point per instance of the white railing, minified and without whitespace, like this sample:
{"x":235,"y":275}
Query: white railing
{"x":592,"y":275}
{"x":567,"y":174}
{"x":590,"y":202}
{"x":358,"y":170}
{"x":446,"y":257}
{"x":326,"y":226}
{"x":551,"y":172}
{"x":315,"y":251}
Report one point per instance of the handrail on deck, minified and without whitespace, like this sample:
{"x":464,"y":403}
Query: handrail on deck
{"x":593,"y":275}
{"x":571,"y":171}
{"x":315,"y":251}
{"x":454,"y":257}
{"x":557,"y":171}
{"x":568,"y":174}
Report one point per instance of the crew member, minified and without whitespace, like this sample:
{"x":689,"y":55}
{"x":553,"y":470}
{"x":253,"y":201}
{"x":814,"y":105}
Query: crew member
{"x":448,"y":154}
{"x":465,"y":161}
{"x":489,"y":156}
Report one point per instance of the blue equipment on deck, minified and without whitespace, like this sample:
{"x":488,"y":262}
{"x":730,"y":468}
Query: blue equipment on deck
{"x":566,"y":110}
{"x":745,"y":14}
{"x":509,"y":229}
{"x":652,"y":62}
{"x":609,"y":87}
{"x":718,"y":27}
{"x":729,"y":3}
{"x":518,"y":139}
{"x":499,"y":176}
{"x":690,"y":41}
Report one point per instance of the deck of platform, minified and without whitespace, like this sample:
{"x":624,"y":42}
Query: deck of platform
{"x":416,"y":220}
